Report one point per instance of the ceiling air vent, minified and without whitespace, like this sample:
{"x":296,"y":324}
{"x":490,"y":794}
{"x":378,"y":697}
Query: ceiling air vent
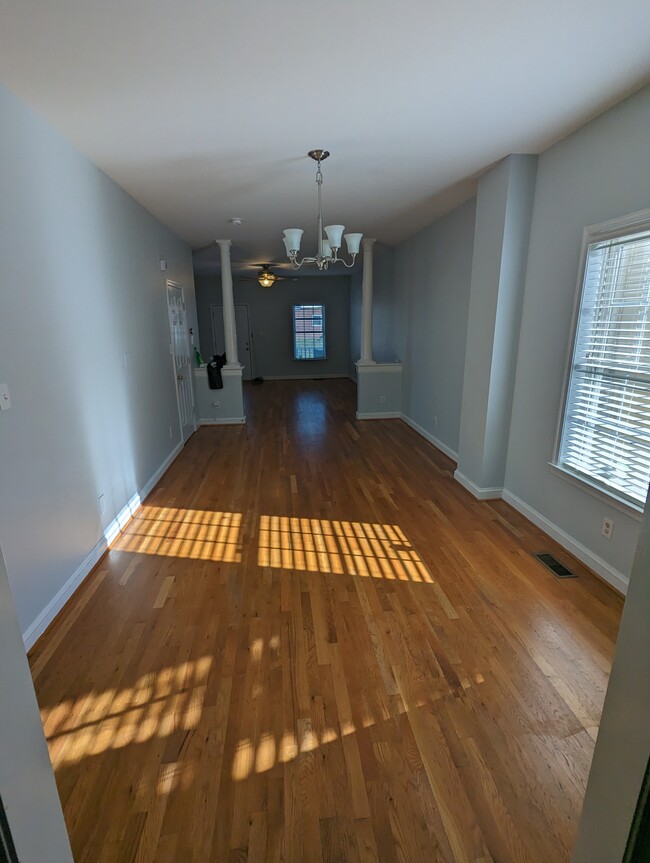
{"x":554,"y":565}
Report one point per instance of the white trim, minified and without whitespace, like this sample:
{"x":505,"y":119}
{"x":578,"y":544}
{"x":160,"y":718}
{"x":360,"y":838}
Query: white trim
{"x":612,"y":576}
{"x":619,"y":226}
{"x":226,"y":371}
{"x":448,"y":451}
{"x":149,"y":486}
{"x":385,"y":415}
{"x":609,"y":498}
{"x":379,"y":368}
{"x":38,"y":626}
{"x":302,"y":377}
{"x":222,"y":421}
{"x":478,"y":492}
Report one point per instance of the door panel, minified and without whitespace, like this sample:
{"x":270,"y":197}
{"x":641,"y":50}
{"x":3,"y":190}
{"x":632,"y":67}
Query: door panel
{"x":180,"y":346}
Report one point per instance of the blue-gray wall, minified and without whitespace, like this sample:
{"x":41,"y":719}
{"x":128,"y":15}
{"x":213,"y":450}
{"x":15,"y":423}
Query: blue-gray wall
{"x":270,"y":311}
{"x":432,"y":279}
{"x":595,"y":174}
{"x":80,"y":286}
{"x":27,"y":785}
{"x":599,"y":172}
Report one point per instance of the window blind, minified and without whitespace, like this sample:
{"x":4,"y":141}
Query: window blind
{"x":309,"y":332}
{"x":606,"y":430}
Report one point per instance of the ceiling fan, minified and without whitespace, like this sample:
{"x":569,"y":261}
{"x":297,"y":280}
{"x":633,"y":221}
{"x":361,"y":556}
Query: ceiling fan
{"x":266,"y":278}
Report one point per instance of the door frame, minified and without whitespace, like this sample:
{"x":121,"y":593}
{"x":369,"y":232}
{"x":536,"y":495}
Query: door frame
{"x":169,"y":283}
{"x":249,"y":331}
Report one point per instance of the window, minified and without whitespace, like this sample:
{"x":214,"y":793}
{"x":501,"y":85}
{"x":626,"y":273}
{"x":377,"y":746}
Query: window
{"x":309,"y":332}
{"x":605,"y":436}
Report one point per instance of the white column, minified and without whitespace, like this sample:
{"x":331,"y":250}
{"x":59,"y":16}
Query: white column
{"x":366,"y":304}
{"x":229,"y":326}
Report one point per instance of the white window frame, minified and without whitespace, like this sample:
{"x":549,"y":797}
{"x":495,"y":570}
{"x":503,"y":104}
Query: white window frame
{"x":630,"y":224}
{"x":295,"y":306}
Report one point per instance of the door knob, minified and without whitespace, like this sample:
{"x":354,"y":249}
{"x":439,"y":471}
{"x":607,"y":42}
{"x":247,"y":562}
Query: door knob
{"x":179,"y":377}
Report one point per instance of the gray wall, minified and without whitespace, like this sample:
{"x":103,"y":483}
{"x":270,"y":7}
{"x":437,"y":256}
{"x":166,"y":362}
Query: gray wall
{"x":501,"y":233}
{"x":27,"y":783}
{"x":270,"y":320}
{"x":623,"y":745}
{"x":432,"y":287}
{"x":80,"y":286}
{"x":598,"y":173}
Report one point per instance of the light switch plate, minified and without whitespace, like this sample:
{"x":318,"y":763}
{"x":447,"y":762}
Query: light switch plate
{"x":5,"y":398}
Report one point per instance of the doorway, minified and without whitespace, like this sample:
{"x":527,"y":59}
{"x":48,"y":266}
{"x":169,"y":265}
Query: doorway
{"x":244,"y":336}
{"x":182,"y":358}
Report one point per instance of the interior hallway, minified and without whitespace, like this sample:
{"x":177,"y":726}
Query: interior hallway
{"x":312,"y":644}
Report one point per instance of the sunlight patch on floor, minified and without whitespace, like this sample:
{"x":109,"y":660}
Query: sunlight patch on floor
{"x":157,"y":705}
{"x":350,"y":547}
{"x":197,"y":534}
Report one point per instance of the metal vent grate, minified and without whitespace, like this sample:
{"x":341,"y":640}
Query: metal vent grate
{"x":7,"y":848}
{"x":554,"y":565}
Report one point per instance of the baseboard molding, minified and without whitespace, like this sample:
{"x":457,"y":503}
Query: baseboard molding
{"x":385,"y":415}
{"x":612,"y":576}
{"x":224,"y":421}
{"x":477,"y":491}
{"x":56,"y":604}
{"x":153,"y":481}
{"x":302,"y":377}
{"x":438,"y":444}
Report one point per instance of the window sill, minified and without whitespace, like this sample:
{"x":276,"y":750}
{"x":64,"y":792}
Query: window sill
{"x":610,"y":498}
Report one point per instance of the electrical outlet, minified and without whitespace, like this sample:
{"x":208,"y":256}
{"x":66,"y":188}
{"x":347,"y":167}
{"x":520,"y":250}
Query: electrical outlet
{"x":608,"y":528}
{"x":171,"y":433}
{"x":216,"y":404}
{"x":102,"y":504}
{"x":382,"y":400}
{"x":435,"y":421}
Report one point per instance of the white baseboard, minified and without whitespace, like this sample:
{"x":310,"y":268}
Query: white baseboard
{"x":612,"y":576}
{"x":301,"y":377}
{"x":386,"y":415}
{"x":38,"y":626}
{"x":477,"y":491}
{"x":428,"y":436}
{"x":224,"y":421}
{"x":153,"y":481}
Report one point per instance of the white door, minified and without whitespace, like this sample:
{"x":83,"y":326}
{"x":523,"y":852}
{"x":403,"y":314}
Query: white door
{"x":180,"y":350}
{"x":244,"y":346}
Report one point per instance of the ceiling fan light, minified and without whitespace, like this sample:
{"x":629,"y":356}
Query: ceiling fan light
{"x":334,"y":235}
{"x":353,"y":242}
{"x":292,"y":238}
{"x":266,"y":280}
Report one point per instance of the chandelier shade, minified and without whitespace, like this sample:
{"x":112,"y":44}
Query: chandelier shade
{"x":329,"y":238}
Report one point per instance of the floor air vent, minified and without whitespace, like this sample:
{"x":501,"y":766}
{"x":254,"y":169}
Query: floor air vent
{"x":554,"y":565}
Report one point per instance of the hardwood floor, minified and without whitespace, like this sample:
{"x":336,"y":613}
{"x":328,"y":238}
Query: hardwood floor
{"x":311,"y":644}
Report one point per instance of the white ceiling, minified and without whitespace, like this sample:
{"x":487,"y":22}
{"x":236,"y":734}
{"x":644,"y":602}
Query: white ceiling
{"x":205,"y":109}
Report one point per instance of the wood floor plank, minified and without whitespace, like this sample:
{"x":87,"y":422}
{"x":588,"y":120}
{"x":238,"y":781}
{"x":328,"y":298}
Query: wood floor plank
{"x":311,"y":644}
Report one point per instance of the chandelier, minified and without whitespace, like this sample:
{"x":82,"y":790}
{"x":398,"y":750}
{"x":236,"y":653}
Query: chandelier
{"x":328,"y":245}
